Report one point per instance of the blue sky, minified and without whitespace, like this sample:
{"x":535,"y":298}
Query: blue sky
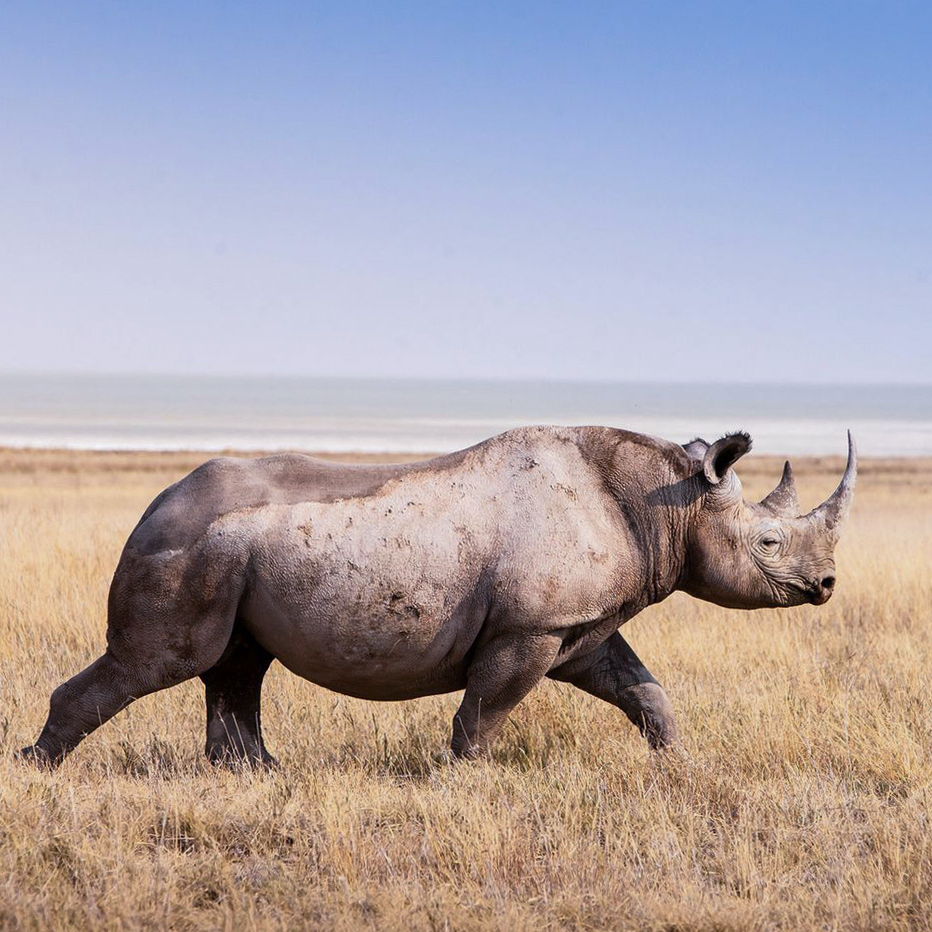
{"x":673,"y":191}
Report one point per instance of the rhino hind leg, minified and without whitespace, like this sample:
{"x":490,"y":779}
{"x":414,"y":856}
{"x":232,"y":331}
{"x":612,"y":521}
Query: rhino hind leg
{"x":234,"y":687}
{"x":614,"y":673}
{"x":81,"y":705}
{"x":85,"y":702}
{"x":168,"y":621}
{"x":503,"y":671}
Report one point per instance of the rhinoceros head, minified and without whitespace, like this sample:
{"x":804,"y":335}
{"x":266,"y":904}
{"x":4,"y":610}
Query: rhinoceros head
{"x":765,"y":554}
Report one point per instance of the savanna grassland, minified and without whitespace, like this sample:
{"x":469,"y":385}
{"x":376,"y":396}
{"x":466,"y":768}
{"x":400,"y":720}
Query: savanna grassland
{"x":800,"y":799}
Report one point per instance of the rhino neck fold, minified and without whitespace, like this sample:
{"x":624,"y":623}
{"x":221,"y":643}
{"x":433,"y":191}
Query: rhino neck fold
{"x":670,"y":565}
{"x":657,"y":525}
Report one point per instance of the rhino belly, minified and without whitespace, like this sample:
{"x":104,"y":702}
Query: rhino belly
{"x":365,"y":633}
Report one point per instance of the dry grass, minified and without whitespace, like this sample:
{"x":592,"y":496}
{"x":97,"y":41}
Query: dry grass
{"x":801,"y":799}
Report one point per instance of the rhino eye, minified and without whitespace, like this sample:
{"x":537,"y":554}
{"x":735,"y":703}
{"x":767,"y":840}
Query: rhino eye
{"x":769,"y":543}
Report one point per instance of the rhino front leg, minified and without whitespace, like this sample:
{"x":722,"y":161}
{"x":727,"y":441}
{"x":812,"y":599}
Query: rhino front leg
{"x":502,"y":673}
{"x":614,"y":673}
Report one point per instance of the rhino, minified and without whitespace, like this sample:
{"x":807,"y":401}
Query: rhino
{"x":484,"y":570}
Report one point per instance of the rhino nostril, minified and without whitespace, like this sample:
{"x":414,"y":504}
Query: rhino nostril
{"x":828,"y":582}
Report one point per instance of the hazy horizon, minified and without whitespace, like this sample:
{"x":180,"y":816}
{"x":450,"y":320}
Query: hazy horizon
{"x":431,"y":415}
{"x":519,"y":379}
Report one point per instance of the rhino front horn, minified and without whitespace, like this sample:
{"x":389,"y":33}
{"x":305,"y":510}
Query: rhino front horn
{"x":834,"y":510}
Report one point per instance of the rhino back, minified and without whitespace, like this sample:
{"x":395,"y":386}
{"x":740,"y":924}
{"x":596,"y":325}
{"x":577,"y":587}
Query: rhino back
{"x":181,"y":514}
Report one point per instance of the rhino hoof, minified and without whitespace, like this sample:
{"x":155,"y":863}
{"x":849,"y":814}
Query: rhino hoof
{"x":231,"y":760}
{"x":647,"y":706}
{"x":38,"y":757}
{"x":661,"y":739}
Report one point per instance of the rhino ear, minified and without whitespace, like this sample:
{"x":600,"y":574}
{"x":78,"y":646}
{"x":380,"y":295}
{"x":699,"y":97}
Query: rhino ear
{"x":696,"y":449}
{"x":723,"y":454}
{"x":782,"y":501}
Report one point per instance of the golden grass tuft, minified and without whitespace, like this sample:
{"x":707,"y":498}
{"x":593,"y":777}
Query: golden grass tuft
{"x":801,"y":798}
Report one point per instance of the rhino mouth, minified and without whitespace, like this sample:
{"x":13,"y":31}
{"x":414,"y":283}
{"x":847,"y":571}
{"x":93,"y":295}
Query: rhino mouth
{"x":820,"y":596}
{"x":813,"y":593}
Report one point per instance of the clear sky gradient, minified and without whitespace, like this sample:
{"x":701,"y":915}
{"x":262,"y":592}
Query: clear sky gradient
{"x":628,"y":190}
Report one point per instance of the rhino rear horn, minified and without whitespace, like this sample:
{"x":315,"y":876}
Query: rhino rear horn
{"x":723,"y":454}
{"x":783,"y":501}
{"x":833,"y":511}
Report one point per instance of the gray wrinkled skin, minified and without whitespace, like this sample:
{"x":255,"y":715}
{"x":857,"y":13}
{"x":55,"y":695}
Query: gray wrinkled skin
{"x":484,"y":570}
